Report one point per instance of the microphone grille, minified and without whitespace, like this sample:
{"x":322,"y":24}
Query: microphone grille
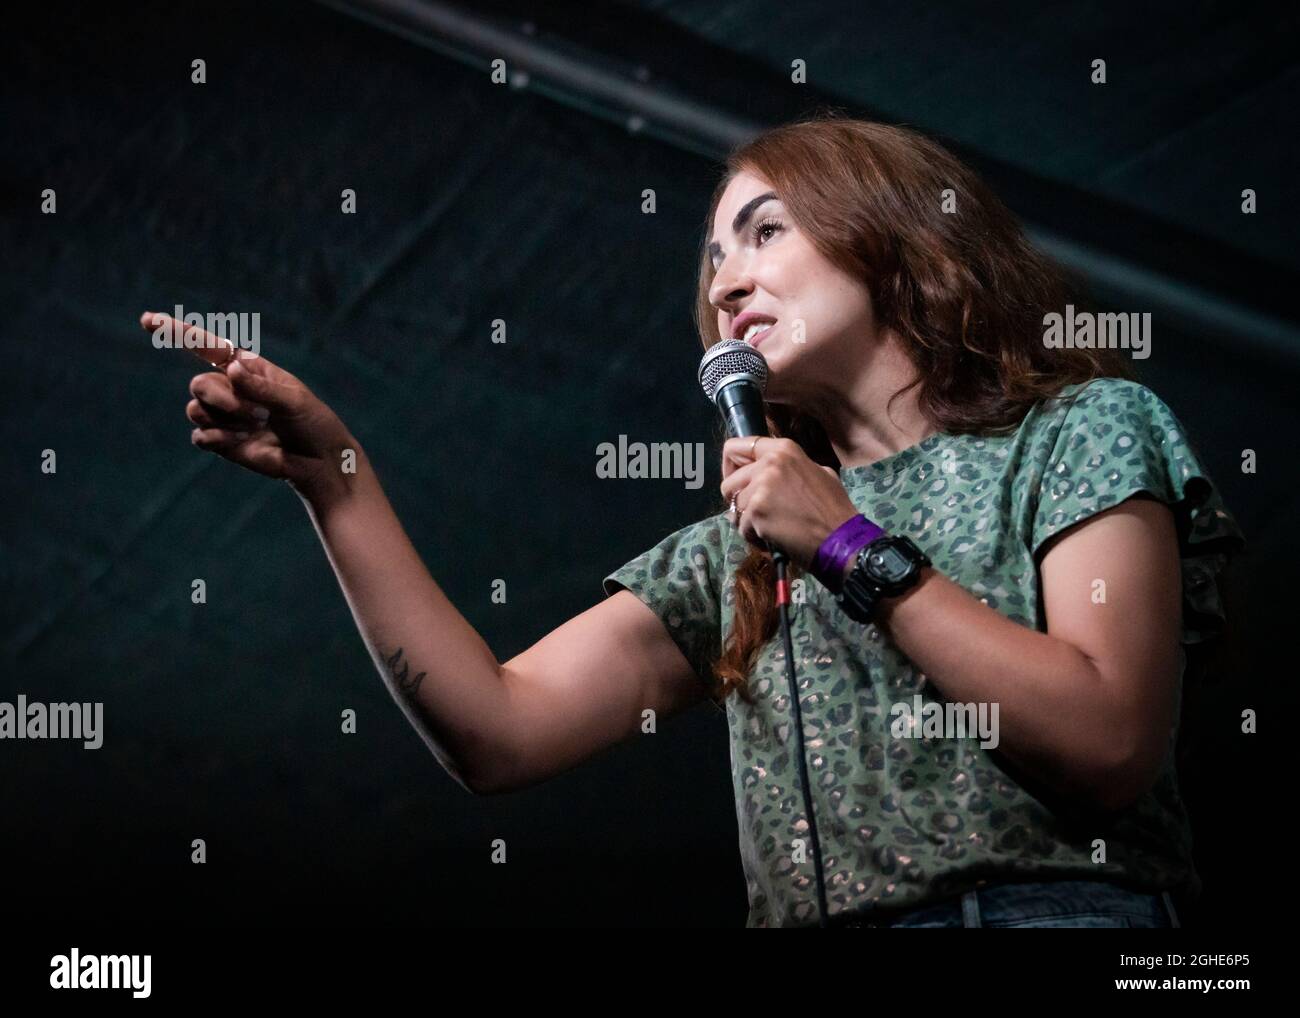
{"x":728,"y":359}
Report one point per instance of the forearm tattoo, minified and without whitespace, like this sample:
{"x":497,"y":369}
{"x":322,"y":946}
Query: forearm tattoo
{"x":406,"y":683}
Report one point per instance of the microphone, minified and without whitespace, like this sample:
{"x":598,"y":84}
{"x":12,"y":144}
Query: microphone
{"x":734,"y":376}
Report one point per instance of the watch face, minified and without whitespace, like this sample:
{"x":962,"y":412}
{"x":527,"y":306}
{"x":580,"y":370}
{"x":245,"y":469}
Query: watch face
{"x":888,"y":563}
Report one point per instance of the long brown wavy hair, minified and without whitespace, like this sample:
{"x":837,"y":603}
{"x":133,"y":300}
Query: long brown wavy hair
{"x":965,"y":292}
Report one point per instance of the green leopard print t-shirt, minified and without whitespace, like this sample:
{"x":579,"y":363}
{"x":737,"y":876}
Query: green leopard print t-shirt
{"x":907,"y":822}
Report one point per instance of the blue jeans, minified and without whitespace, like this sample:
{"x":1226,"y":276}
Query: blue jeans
{"x":1051,"y":903}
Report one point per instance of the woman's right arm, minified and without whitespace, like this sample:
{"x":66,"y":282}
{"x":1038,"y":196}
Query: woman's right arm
{"x":494,"y":727}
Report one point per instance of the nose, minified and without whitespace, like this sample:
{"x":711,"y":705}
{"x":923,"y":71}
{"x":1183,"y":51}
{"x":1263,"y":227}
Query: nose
{"x":729,"y":285}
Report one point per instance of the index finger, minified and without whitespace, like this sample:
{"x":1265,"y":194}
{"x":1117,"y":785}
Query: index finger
{"x":736,"y":453}
{"x":209,"y":348}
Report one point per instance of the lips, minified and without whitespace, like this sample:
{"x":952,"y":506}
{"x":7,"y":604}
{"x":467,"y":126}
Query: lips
{"x":744,"y":321}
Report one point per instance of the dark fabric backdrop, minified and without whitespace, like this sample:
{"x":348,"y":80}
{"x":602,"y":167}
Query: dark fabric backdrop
{"x":480,"y":202}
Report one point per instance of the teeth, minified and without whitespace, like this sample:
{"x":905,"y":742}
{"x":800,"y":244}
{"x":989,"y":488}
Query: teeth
{"x":754,"y":329}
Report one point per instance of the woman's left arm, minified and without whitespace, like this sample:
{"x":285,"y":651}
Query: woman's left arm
{"x":1088,"y":705}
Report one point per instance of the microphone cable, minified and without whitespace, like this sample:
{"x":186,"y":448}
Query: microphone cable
{"x":733,"y":375}
{"x":783,"y":602}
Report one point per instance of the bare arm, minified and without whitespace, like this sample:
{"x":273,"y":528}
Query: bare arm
{"x":1088,"y":705}
{"x":494,"y":727}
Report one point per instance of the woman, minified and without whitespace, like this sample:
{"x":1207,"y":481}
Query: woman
{"x":1068,"y":541}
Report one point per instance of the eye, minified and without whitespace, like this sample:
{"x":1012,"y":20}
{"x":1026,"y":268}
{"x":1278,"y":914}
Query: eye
{"x":758,"y":232}
{"x":766,"y":224}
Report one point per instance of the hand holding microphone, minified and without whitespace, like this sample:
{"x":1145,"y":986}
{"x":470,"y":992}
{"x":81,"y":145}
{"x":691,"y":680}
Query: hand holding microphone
{"x":784,"y":499}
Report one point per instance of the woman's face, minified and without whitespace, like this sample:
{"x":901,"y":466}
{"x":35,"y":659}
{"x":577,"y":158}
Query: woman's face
{"x":766,"y":266}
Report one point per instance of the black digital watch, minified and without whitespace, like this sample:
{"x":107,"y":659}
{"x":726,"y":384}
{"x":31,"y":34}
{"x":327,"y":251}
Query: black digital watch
{"x":886,"y":567}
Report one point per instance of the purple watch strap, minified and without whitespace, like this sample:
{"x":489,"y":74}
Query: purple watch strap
{"x":842,"y":544}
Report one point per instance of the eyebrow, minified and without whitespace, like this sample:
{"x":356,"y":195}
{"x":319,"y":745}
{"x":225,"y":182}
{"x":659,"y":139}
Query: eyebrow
{"x":742,"y":217}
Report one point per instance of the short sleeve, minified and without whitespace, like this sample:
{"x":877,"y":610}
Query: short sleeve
{"x":1117,"y":438}
{"x":679,"y":579}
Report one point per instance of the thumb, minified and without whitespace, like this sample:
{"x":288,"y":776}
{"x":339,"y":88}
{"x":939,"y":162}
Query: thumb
{"x":257,"y":379}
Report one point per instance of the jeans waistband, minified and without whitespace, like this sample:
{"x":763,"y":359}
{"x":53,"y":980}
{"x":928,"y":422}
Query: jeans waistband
{"x":1007,"y":904}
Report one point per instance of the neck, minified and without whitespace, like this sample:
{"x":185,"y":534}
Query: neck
{"x":853,"y":412}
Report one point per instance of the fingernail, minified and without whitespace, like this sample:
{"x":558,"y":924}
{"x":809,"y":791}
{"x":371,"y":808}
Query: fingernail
{"x":262,"y":414}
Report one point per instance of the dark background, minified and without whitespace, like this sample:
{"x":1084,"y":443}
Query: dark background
{"x":523,"y":202}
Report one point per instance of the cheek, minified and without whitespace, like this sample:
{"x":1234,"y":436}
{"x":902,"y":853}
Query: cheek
{"x":840,"y":306}
{"x":800,"y":291}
